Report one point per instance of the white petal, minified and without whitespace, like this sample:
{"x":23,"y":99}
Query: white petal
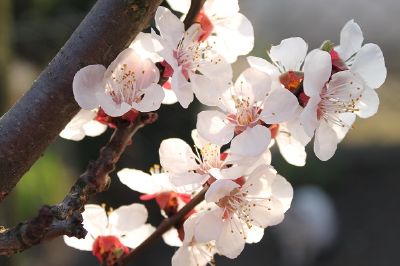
{"x":209,"y":226}
{"x":370,"y":65}
{"x":87,"y":82}
{"x":291,"y":149}
{"x":262,"y":65}
{"x":135,"y":237}
{"x":110,"y":107}
{"x":170,"y":27}
{"x":280,"y":106}
{"x":348,"y":120}
{"x":254,"y":234}
{"x":221,"y":8}
{"x":208,"y":91}
{"x":146,"y":46}
{"x":171,"y":238}
{"x":217,"y":68}
{"x":181,"y":6}
{"x":95,"y":220}
{"x":283,"y":191}
{"x":199,"y":141}
{"x":220,"y":189}
{"x":251,"y":142}
{"x":127,"y":218}
{"x":253,"y":84}
{"x":267,"y":213}
{"x":185,"y":179}
{"x":176,"y":156}
{"x":74,"y":130}
{"x":317,"y":71}
{"x":183,"y":256}
{"x":213,"y":126}
{"x":308,"y":117}
{"x":81,"y":244}
{"x":94,"y":128}
{"x":368,"y":103}
{"x":290,"y":53}
{"x":143,"y":182}
{"x":325,"y":142}
{"x":351,"y":38}
{"x":182,"y":88}
{"x":170,"y":97}
{"x":153,"y":96}
{"x":230,"y":242}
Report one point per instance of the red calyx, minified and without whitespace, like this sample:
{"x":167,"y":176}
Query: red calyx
{"x":337,"y":63}
{"x":108,"y":249}
{"x":206,"y":25}
{"x":105,"y":119}
{"x":274,"y":128}
{"x":291,"y":80}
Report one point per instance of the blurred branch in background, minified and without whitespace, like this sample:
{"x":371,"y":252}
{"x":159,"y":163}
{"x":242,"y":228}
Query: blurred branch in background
{"x":5,"y":51}
{"x":35,"y":121}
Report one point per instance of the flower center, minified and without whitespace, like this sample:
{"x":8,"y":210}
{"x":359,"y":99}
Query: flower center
{"x":125,"y":85}
{"x":108,"y":249}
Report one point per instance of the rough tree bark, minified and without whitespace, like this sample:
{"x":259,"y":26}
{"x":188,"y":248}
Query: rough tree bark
{"x":37,"y":118}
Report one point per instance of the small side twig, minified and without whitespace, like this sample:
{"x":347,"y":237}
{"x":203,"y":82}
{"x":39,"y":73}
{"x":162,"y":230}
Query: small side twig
{"x":65,"y":218}
{"x":167,"y":224}
{"x":195,"y":7}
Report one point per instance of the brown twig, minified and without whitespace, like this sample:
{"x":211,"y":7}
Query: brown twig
{"x":195,"y":7}
{"x":167,"y":224}
{"x":35,"y":121}
{"x":65,"y":218}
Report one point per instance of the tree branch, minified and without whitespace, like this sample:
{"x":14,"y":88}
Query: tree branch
{"x":65,"y":218}
{"x":37,"y":118}
{"x":167,"y":224}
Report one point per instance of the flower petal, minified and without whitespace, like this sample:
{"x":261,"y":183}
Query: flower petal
{"x":370,"y":65}
{"x":253,"y":85}
{"x":351,"y":38}
{"x":212,"y":126}
{"x":368,"y":103}
{"x":81,"y":244}
{"x":144,"y":183}
{"x":220,"y":189}
{"x":231,"y":241}
{"x":308,"y":118}
{"x":325,"y":142}
{"x":135,"y":237}
{"x":291,"y":149}
{"x":170,"y":27}
{"x":289,"y":54}
{"x":171,"y":238}
{"x":209,"y":226}
{"x":280,"y":106}
{"x":153,"y":96}
{"x":176,"y":156}
{"x":127,"y":218}
{"x":87,"y":82}
{"x":251,"y":142}
{"x":95,"y":220}
{"x":317,"y":71}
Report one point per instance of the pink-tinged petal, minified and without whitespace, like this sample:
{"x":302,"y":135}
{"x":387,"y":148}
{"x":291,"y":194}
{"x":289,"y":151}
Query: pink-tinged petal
{"x":170,"y":27}
{"x":325,"y":142}
{"x":251,"y":142}
{"x":228,"y":32}
{"x":351,"y":38}
{"x":260,"y":180}
{"x":95,"y":220}
{"x":267,"y":213}
{"x":280,"y":106}
{"x":317,"y":71}
{"x":87,"y":82}
{"x":199,"y":141}
{"x":110,"y":107}
{"x":142,"y":182}
{"x":147,"y":47}
{"x":176,"y":156}
{"x":253,"y":85}
{"x":127,"y":218}
{"x":368,"y":104}
{"x":348,"y":120}
{"x":289,"y":54}
{"x":291,"y":149}
{"x":296,"y":129}
{"x":153,"y":96}
{"x":209,"y":226}
{"x":181,"y":6}
{"x":208,"y":91}
{"x":212,"y":126}
{"x":135,"y":237}
{"x":220,"y":189}
{"x":370,"y":65}
{"x":85,"y":244}
{"x":171,"y":238}
{"x":282,"y":190}
{"x":230,"y":242}
{"x":308,"y":118}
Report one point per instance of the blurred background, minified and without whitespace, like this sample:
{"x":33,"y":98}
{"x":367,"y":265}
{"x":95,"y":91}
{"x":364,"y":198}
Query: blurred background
{"x":345,"y":211}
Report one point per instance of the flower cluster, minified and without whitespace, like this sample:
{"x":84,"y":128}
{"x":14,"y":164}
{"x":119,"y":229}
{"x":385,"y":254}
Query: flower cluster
{"x":294,"y":97}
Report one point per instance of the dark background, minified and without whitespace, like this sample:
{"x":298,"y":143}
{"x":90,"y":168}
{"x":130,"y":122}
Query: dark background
{"x":345,"y":211}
